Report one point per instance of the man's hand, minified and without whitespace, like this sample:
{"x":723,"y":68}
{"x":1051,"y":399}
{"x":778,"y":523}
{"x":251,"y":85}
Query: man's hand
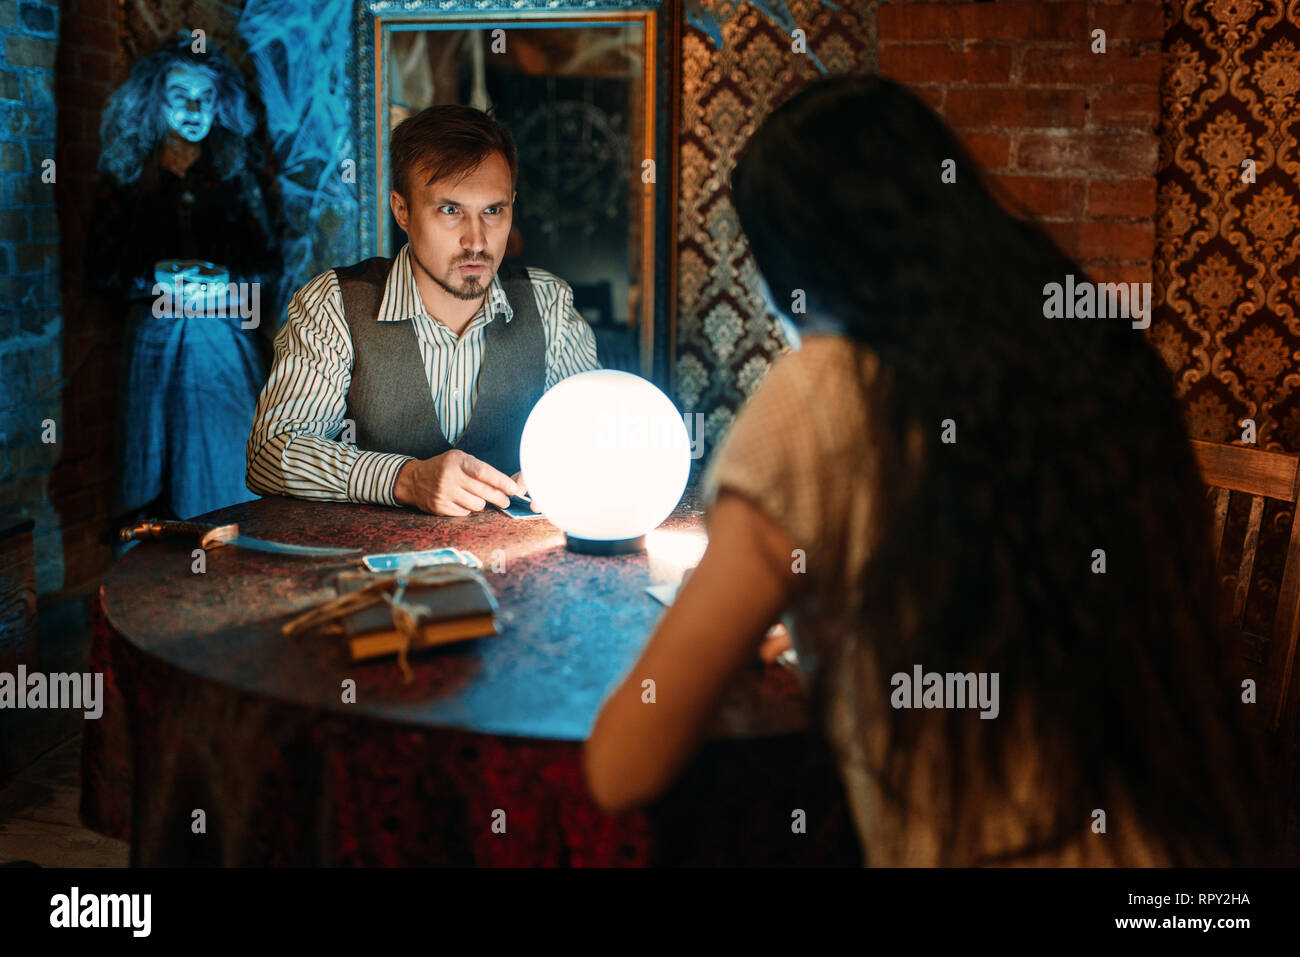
{"x":518,"y":478}
{"x":452,"y":483}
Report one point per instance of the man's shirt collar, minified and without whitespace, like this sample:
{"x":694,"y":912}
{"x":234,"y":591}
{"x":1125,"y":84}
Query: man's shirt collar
{"x":402,"y":298}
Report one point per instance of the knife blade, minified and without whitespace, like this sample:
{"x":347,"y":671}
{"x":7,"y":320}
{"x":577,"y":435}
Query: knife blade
{"x":212,"y":536}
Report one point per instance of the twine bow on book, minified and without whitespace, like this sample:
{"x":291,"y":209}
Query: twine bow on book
{"x":408,"y":617}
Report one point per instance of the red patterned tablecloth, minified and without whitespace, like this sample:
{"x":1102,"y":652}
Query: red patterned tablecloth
{"x":221,"y":742}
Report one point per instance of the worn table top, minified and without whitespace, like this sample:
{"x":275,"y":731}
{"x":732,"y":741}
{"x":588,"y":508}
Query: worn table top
{"x":575,"y":623}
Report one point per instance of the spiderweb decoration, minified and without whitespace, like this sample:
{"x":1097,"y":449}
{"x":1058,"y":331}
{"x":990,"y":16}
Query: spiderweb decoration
{"x":300,"y":57}
{"x":705,"y":20}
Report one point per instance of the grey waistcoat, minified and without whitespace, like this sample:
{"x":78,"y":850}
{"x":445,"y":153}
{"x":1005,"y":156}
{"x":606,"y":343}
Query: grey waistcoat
{"x":389,"y":398}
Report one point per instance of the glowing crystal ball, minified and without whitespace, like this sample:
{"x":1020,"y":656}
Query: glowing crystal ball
{"x":605,"y":455}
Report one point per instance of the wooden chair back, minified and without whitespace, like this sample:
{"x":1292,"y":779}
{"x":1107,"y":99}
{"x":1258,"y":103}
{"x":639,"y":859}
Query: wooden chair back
{"x":1229,"y":469}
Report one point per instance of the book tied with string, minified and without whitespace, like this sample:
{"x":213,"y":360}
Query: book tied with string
{"x":378,"y":615}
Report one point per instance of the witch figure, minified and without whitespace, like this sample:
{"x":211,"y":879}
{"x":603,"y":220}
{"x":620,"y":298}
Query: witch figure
{"x":180,"y":238}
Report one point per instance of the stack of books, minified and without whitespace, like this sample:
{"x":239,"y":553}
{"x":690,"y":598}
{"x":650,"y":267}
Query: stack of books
{"x":449,"y":604}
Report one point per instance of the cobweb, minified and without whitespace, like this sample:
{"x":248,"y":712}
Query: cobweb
{"x":300,"y":57}
{"x":706,"y":21}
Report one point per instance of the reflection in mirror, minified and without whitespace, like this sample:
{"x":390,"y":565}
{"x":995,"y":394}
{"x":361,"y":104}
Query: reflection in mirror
{"x":574,"y":99}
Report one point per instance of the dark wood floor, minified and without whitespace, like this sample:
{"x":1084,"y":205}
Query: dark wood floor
{"x":38,"y":816}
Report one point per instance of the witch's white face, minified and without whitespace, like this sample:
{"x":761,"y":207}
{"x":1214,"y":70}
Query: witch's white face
{"x":191,"y":101}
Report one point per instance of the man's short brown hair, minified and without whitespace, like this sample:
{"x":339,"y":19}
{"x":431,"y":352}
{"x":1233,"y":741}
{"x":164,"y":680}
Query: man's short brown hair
{"x":447,"y":140}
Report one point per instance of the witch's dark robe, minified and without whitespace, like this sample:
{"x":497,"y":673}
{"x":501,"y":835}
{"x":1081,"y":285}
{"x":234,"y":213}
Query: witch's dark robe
{"x":189,"y":384}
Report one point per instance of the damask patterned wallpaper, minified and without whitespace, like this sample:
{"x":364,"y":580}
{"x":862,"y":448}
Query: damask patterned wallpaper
{"x":1226,"y":266}
{"x":725,"y":342}
{"x":1226,"y":273}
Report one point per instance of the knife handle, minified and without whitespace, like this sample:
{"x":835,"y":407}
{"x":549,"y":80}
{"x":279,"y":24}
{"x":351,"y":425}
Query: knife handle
{"x":160,"y":528}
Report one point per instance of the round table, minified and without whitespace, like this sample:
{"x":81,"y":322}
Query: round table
{"x":224,"y":742}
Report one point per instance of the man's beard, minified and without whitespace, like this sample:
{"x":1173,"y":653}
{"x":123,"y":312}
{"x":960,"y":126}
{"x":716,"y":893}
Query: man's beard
{"x":473,"y":287}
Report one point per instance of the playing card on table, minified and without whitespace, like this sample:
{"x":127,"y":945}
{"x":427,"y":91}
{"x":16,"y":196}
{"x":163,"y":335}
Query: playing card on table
{"x":434,"y":556}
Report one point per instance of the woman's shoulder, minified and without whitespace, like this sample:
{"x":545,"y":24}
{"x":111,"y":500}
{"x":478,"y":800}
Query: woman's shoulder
{"x":825,"y":355}
{"x":825,"y":379}
{"x":792,"y":446}
{"x":807,"y":398}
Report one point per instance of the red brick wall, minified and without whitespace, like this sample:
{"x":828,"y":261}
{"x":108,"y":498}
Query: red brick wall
{"x":81,"y":484}
{"x":1066,"y":135}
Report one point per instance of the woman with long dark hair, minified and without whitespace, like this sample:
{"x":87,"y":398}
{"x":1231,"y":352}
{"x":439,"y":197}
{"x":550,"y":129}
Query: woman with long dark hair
{"x":943,"y":480}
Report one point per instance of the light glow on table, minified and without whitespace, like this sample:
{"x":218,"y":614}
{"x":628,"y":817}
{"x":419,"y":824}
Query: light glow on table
{"x":672,"y":551}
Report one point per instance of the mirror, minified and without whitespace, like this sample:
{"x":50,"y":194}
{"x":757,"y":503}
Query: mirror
{"x":579,"y":90}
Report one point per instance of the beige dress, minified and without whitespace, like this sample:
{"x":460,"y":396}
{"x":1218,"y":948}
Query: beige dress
{"x":801,"y":449}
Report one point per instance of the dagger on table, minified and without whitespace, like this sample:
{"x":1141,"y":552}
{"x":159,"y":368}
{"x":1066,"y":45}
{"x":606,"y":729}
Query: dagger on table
{"x":212,"y":536}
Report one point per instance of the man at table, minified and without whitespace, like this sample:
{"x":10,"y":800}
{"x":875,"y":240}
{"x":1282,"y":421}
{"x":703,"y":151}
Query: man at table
{"x":434,"y":358}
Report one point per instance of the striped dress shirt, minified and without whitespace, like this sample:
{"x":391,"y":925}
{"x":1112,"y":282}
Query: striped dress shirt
{"x":293,"y":448}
